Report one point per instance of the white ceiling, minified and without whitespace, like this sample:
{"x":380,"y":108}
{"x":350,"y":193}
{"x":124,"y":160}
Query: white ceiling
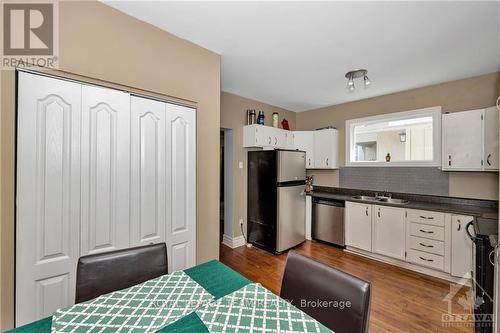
{"x":295,"y":54}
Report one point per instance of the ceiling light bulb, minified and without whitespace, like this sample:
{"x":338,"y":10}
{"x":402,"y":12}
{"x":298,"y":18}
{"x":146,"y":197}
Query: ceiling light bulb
{"x":367,"y":81}
{"x":350,"y":83}
{"x":351,"y":87}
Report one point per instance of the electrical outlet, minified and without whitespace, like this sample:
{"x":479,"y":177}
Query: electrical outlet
{"x":240,"y":165}
{"x":241,"y":221}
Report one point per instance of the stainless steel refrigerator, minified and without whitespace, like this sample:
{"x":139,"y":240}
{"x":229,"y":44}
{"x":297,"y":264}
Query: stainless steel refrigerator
{"x":276,"y":218}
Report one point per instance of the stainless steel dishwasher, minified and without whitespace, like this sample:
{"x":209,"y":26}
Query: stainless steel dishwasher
{"x":328,"y":221}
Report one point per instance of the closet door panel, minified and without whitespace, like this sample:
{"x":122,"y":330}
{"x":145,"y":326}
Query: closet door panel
{"x":105,"y":169}
{"x":148,"y":171}
{"x":181,"y":199}
{"x":48,"y":195}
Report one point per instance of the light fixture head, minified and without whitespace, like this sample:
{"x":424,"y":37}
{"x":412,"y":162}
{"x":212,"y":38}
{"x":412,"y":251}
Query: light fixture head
{"x":367,"y":81}
{"x":355,"y":74}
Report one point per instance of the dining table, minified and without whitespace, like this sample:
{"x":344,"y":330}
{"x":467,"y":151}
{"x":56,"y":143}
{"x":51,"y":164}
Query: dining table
{"x":210,"y":297}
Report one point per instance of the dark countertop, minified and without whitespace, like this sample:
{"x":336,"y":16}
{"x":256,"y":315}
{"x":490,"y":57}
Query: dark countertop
{"x":472,"y":207}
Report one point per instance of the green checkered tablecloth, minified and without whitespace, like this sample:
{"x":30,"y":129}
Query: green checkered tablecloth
{"x":146,"y":307}
{"x":255,"y":309}
{"x":217,"y":281}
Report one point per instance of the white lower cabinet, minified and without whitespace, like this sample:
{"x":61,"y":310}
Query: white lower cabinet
{"x":430,"y":242}
{"x":389,"y":232}
{"x":358,"y":225}
{"x":461,"y":247}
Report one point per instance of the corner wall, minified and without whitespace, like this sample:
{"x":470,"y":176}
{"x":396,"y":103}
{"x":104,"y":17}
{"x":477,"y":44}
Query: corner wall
{"x":467,"y":94}
{"x":233,"y":116}
{"x":103,"y":43}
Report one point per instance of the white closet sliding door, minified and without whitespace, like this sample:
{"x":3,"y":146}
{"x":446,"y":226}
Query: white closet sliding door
{"x":148,"y":172}
{"x":48,"y":195}
{"x":181,"y":197}
{"x":97,"y":170}
{"x":105,"y":170}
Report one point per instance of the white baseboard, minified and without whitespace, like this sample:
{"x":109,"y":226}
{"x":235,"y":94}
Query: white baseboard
{"x":233,"y":242}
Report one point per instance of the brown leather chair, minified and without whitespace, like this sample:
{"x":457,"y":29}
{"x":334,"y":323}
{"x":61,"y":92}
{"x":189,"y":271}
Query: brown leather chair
{"x":102,"y":273}
{"x":307,"y":282}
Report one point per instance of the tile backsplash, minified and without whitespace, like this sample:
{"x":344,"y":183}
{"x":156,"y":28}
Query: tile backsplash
{"x":396,"y":179}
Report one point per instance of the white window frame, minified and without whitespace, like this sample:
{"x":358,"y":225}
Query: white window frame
{"x":434,"y":112}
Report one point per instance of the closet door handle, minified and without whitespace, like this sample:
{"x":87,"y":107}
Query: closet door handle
{"x":426,"y":231}
{"x":488,"y":159}
{"x":429,"y":260}
{"x":425,"y":245}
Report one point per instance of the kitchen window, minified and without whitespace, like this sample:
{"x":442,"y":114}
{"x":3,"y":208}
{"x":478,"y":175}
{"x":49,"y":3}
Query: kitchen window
{"x":410,"y":138}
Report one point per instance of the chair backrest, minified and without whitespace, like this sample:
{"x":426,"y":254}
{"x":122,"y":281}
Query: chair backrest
{"x":102,"y":273}
{"x":306,"y":282}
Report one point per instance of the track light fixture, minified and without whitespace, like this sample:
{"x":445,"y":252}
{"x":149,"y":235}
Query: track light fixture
{"x":355,"y":74}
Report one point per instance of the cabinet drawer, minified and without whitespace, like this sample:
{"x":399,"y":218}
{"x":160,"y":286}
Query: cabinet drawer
{"x":427,"y":245}
{"x":427,"y":231}
{"x":425,"y":217}
{"x":425,"y":259}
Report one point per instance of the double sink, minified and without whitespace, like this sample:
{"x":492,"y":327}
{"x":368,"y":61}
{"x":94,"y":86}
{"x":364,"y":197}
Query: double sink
{"x":381,"y":199}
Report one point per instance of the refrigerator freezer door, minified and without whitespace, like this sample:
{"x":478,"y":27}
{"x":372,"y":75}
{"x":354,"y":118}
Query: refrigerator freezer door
{"x":291,"y":165}
{"x":291,"y":217}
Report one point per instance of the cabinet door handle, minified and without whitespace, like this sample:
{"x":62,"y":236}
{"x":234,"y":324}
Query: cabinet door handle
{"x":378,"y":212}
{"x":459,"y":225}
{"x":488,"y":159}
{"x":327,"y":161}
{"x":449,"y":160}
{"x":425,"y":245}
{"x":366,"y":211}
{"x":427,"y":217}
{"x":275,"y":141}
{"x":269,"y":140}
{"x":426,"y":231}
{"x":429,"y":260}
{"x":309,"y":162}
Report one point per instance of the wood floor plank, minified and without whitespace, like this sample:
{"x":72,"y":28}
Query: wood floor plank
{"x":402,"y":300}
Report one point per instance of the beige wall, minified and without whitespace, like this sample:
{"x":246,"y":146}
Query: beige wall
{"x":471,"y":93}
{"x":233,"y":116}
{"x":100,"y":42}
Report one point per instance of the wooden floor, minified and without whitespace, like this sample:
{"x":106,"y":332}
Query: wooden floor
{"x":402,"y":301}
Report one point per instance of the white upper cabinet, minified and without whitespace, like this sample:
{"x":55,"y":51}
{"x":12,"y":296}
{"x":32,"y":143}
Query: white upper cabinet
{"x":264,"y":136}
{"x":304,"y":140}
{"x":470,"y":140}
{"x":491,"y":148}
{"x":389,"y":237}
{"x":321,"y":146}
{"x":326,"y":149}
{"x":358,"y":225}
{"x":290,"y":138}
